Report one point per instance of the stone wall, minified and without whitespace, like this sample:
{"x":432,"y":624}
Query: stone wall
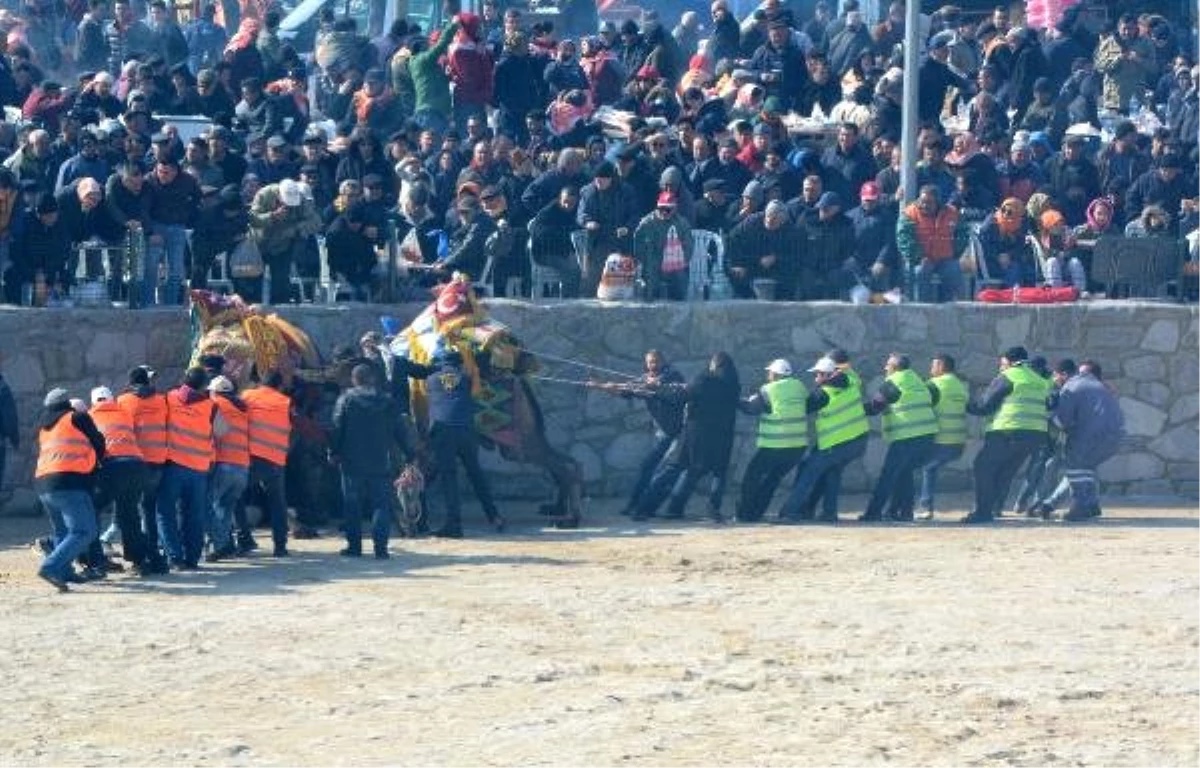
{"x":1149,"y":352}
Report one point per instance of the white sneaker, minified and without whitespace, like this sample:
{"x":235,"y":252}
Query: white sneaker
{"x":924,"y":514}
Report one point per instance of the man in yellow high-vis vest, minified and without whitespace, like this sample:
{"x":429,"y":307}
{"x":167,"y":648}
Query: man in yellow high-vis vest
{"x":782,"y":438}
{"x":950,"y":395}
{"x":1016,"y":401}
{"x":842,"y":429}
{"x":909,"y":427}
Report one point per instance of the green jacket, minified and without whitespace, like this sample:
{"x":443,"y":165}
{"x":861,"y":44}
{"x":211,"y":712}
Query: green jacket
{"x":277,"y":236}
{"x":431,"y":85}
{"x":649,"y":240}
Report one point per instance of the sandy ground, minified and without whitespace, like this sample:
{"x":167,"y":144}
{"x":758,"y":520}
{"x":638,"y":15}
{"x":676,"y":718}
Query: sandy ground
{"x":1017,"y":644}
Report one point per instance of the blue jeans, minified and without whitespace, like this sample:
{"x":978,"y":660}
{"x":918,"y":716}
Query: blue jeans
{"x":429,"y":120}
{"x":367,"y":493}
{"x":822,"y":471}
{"x":227,"y":483}
{"x":173,"y":247}
{"x":181,"y":484}
{"x":650,"y":462}
{"x":941,"y":456}
{"x":73,"y":519}
{"x":948,"y":272}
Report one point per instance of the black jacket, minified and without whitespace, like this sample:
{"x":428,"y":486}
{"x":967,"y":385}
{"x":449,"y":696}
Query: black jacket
{"x":367,"y":433}
{"x":9,"y":426}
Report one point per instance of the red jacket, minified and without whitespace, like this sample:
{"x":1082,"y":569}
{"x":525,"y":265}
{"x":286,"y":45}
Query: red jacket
{"x":470,"y":69}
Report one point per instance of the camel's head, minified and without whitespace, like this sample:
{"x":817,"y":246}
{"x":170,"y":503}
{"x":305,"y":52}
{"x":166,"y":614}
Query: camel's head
{"x":455,"y":299}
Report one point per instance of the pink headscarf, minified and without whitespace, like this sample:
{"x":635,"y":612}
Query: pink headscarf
{"x":1095,"y":205}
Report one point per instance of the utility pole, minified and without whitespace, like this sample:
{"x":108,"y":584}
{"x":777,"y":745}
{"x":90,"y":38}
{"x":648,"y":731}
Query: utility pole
{"x":910,"y":111}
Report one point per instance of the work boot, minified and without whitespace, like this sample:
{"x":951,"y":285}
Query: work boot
{"x":977,"y":518}
{"x":449,"y":532}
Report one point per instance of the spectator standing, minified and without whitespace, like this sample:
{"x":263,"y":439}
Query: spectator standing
{"x":665,"y":277}
{"x":550,"y":239}
{"x":206,"y":40}
{"x":174,"y":202}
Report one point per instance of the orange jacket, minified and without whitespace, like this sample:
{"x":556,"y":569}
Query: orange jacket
{"x":270,"y":424}
{"x":233,"y":447}
{"x":116,"y":424}
{"x":189,"y":432}
{"x":149,"y":423}
{"x":63,"y":448}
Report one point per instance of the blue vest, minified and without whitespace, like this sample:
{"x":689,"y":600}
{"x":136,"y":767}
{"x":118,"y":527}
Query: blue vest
{"x":450,"y":400}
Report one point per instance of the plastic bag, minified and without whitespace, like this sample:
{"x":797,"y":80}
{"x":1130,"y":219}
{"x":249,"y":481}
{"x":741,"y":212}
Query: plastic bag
{"x":246,"y":261}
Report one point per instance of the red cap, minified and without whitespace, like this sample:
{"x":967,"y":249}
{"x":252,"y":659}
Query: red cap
{"x":666,"y":199}
{"x":870,"y":191}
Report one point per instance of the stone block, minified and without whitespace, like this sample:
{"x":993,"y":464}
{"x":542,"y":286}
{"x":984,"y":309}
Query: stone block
{"x":589,"y":462}
{"x":1013,"y":329}
{"x":1188,"y":490}
{"x":1141,"y":418}
{"x":1124,"y":468}
{"x":1155,"y":489}
{"x":1179,"y":444}
{"x":1185,"y":408}
{"x":914,"y":326}
{"x":1114,"y":337}
{"x":62,"y":364}
{"x":842,"y":329}
{"x":1185,"y":373}
{"x":1161,"y":336}
{"x":1154,"y":393}
{"x":1145,"y":367}
{"x":23,"y":372}
{"x":1182,"y":470}
{"x":626,"y":451}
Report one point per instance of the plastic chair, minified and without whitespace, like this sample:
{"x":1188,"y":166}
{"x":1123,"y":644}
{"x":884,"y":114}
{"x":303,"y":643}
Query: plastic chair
{"x":542,"y":278}
{"x":484,"y":286}
{"x":219,"y":280}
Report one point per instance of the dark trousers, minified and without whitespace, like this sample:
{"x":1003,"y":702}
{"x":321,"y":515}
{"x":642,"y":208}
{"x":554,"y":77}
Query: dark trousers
{"x":121,"y":484}
{"x":370,"y":494}
{"x":268,"y":478}
{"x":822,"y":473}
{"x":764,"y":473}
{"x":996,"y":465}
{"x":650,"y":462}
{"x":452,"y":444}
{"x":151,"y":478}
{"x":1040,"y":465}
{"x":895,"y":490}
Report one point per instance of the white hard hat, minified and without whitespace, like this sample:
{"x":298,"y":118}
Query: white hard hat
{"x":780,"y":367}
{"x":824,"y":365}
{"x":101,"y":395}
{"x":220,"y":384}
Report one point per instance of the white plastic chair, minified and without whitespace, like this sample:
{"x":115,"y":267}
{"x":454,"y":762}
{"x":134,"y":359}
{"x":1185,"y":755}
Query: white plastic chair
{"x":542,"y":277}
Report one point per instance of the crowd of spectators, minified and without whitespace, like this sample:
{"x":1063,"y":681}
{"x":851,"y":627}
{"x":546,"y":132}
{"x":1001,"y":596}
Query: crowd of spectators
{"x":499,"y":137}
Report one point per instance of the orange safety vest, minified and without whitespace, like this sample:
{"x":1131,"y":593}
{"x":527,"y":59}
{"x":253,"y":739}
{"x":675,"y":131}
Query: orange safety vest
{"x":233,"y":447}
{"x":149,"y":424}
{"x":189,"y":433}
{"x":270,"y":424}
{"x":115,"y":423}
{"x":64,"y":448}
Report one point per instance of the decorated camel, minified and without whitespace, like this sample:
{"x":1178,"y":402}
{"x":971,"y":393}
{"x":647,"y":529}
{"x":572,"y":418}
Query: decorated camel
{"x":508,"y":418}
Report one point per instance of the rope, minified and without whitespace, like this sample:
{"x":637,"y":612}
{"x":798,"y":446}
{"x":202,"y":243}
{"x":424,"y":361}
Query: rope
{"x":557,"y":380}
{"x":568,"y":361}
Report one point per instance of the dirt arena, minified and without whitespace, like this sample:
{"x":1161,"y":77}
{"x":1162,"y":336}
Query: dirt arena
{"x":622,"y":644}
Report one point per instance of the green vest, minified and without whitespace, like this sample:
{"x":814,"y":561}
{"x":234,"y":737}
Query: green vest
{"x":912,"y":415}
{"x":843,"y":417}
{"x":951,"y":409}
{"x":1025,"y":406}
{"x":786,"y":426}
